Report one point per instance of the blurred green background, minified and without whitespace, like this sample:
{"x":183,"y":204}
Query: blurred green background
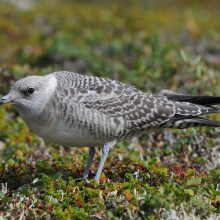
{"x":150,"y":44}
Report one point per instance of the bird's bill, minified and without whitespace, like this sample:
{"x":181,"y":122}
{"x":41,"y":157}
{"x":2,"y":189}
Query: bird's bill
{"x":5,"y":99}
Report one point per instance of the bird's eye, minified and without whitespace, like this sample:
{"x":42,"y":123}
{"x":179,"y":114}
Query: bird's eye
{"x":30,"y":90}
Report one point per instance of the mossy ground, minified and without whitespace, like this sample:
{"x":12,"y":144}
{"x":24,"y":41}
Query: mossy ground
{"x":171,"y":174}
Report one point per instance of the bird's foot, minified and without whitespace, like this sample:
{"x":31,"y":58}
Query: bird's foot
{"x":80,"y":179}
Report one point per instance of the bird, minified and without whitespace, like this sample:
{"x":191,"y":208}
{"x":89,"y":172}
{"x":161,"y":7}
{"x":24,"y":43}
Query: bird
{"x":84,"y":111}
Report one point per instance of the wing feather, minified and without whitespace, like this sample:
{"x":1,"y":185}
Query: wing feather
{"x":119,"y":101}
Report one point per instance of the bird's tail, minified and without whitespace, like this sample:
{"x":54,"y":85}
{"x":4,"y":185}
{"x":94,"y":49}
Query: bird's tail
{"x":189,"y":107}
{"x":195,"y":99}
{"x":191,"y":122}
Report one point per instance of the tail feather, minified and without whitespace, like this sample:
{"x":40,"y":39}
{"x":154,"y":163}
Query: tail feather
{"x":191,"y":122}
{"x":189,"y":107}
{"x":200,"y":100}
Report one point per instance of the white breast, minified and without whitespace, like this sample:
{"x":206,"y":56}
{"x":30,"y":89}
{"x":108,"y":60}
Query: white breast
{"x":61,"y":134}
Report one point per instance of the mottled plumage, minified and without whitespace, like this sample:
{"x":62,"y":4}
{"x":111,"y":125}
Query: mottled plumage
{"x":85,"y":111}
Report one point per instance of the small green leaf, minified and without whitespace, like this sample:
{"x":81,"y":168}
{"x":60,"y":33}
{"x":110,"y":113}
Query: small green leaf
{"x":24,"y":190}
{"x":38,"y":183}
{"x":170,"y":180}
{"x":210,"y":191}
{"x":213,"y":172}
{"x":6,"y":200}
{"x":189,"y":182}
{"x":197,"y":181}
{"x":195,"y":201}
{"x":101,"y":200}
{"x":202,"y":161}
{"x":205,"y":193}
{"x":185,"y":190}
{"x":101,"y":207}
{"x":190,"y":172}
{"x":166,"y":186}
{"x":43,"y":214}
{"x":56,"y":176}
{"x":146,"y":164}
{"x":2,"y":195}
{"x":167,"y":204}
{"x":203,"y":180}
{"x":125,"y":160}
{"x":161,"y":189}
{"x":109,"y":214}
{"x":190,"y":191}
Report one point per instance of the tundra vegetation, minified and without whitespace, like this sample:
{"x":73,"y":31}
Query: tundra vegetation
{"x":153,"y":45}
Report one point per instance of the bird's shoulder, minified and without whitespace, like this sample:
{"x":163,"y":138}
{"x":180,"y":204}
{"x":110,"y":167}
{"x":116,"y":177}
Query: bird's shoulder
{"x":83,"y":88}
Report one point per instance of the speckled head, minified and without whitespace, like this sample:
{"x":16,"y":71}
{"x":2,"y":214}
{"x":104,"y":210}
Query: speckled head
{"x":30,"y":94}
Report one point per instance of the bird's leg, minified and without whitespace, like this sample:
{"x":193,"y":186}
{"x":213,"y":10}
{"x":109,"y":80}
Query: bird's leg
{"x":105,"y":151}
{"x":88,"y":165}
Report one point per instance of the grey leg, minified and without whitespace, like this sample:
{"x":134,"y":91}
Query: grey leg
{"x":88,"y":165}
{"x":105,"y":151}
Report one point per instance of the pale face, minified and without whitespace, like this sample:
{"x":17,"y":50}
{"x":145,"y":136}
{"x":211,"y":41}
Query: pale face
{"x":31,"y":93}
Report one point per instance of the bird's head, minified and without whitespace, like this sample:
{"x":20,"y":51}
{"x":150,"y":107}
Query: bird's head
{"x":30,"y":94}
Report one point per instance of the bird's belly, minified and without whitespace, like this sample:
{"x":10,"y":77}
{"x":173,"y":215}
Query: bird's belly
{"x":73,"y":136}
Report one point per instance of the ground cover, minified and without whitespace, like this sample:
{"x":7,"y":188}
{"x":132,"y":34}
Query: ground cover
{"x":171,"y":174}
